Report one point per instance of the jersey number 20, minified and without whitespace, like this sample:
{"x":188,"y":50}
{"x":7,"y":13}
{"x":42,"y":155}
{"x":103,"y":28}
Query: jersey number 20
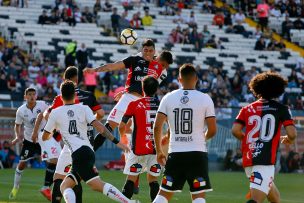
{"x":264,"y":125}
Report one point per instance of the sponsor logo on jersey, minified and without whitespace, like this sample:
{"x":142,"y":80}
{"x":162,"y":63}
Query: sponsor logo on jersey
{"x":139,"y":78}
{"x":155,"y":168}
{"x":167,"y":180}
{"x":141,"y":61}
{"x":137,"y":69}
{"x":70,"y":113}
{"x":184,"y":99}
{"x":256,"y":178}
{"x":135,"y":168}
{"x":199,"y":182}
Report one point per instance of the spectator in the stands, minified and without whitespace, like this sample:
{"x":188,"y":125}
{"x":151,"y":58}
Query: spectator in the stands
{"x":260,"y":44}
{"x":3,"y":84}
{"x":63,"y":5}
{"x":87,"y":16}
{"x":77,"y":15}
{"x":34,"y":70}
{"x":275,"y":12}
{"x":70,"y":54}
{"x":258,"y":33}
{"x":37,"y":87}
{"x":11,"y":83}
{"x":82,"y":60}
{"x":287,"y":25}
{"x":41,"y":79}
{"x":54,"y":18}
{"x":175,"y":37}
{"x":186,"y":36}
{"x":293,"y":78}
{"x":280,"y":46}
{"x":67,"y":16}
{"x":263,"y":14}
{"x":124,"y":21}
{"x":196,"y":38}
{"x":298,"y":24}
{"x":271,"y":45}
{"x":228,"y":20}
{"x":127,"y":4}
{"x":7,"y":155}
{"x":44,"y":18}
{"x":6,"y":3}
{"x":178,"y":18}
{"x":192,"y":20}
{"x":50,"y":94}
{"x":239,"y":17}
{"x":218,"y":19}
{"x":206,"y":34}
{"x":135,"y":23}
{"x":97,"y":7}
{"x":239,"y":29}
{"x":294,"y":163}
{"x":211,"y":43}
{"x":107,"y":6}
{"x":207,"y":8}
{"x":147,"y":20}
{"x":15,"y":66}
{"x":115,"y":21}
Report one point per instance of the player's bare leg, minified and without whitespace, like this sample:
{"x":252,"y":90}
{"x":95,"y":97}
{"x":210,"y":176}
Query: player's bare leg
{"x":198,"y":198}
{"x":67,"y":191}
{"x":154,"y":186}
{"x":257,"y":195}
{"x":274,"y":194}
{"x":18,"y":174}
{"x":163,"y":196}
{"x":48,"y":179}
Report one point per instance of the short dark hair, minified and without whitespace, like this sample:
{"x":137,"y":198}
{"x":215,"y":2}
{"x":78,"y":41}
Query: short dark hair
{"x":148,"y":43}
{"x":187,"y":71}
{"x":267,"y":85}
{"x":166,"y":56}
{"x":28,"y":90}
{"x":70,"y":72}
{"x":67,"y":89}
{"x":150,"y":85}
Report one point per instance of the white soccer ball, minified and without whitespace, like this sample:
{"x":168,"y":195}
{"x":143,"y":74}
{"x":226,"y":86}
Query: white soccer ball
{"x":128,"y":36}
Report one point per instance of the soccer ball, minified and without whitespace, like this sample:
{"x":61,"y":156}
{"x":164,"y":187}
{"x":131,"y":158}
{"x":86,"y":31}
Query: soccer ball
{"x":128,"y":36}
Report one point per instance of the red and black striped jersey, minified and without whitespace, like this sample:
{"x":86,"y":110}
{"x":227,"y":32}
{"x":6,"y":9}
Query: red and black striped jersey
{"x":138,"y":69}
{"x":263,"y":120}
{"x":143,"y":111}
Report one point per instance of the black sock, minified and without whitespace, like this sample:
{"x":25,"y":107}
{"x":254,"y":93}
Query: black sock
{"x":128,"y":189}
{"x":78,"y":193}
{"x":56,"y":193}
{"x":251,"y":201}
{"x":49,"y":173}
{"x":154,"y":188}
{"x":99,"y":139}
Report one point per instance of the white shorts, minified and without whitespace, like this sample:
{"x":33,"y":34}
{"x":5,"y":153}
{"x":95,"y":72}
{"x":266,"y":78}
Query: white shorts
{"x":64,"y":162}
{"x":139,"y":164}
{"x":120,"y":108}
{"x":260,"y":177}
{"x":50,"y":149}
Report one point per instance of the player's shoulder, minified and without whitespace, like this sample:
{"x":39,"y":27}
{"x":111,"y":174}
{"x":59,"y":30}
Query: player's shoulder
{"x":21,"y":108}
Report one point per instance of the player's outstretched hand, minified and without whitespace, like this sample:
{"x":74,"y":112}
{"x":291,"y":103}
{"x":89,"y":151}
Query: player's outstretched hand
{"x":118,"y":96}
{"x":161,"y":158}
{"x":286,"y":140}
{"x":34,"y":137}
{"x":88,"y":70}
{"x":123,"y":147}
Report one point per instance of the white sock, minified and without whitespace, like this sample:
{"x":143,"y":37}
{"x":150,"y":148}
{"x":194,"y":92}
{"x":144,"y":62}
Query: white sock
{"x":69,"y":195}
{"x":113,"y":193}
{"x":199,"y":200}
{"x":18,"y":174}
{"x":160,"y":199}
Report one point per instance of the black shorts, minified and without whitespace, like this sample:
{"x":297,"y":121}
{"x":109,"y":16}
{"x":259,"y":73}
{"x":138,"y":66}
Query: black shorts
{"x":29,"y":150}
{"x":263,"y":21}
{"x":186,"y":166}
{"x":83,"y":165}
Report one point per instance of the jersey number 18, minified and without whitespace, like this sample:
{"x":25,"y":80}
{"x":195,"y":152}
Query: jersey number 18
{"x":183,"y":120}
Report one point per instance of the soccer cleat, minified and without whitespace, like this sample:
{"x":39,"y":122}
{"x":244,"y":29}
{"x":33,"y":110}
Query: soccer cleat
{"x":47,"y":193}
{"x":13,"y":193}
{"x":136,"y":190}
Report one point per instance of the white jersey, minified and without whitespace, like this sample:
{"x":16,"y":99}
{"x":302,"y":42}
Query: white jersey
{"x":28,"y":117}
{"x":71,"y":121}
{"x":186,"y":111}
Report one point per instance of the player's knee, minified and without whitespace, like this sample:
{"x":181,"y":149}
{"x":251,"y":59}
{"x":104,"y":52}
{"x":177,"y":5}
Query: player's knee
{"x":58,"y":177}
{"x":128,"y":189}
{"x":154,"y":188}
{"x":21,"y":165}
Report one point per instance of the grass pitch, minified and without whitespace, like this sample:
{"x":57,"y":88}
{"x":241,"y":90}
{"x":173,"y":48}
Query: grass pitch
{"x":228,"y":187}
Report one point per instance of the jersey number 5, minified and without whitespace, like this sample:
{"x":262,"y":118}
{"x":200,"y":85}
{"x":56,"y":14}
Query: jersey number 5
{"x":264,"y":125}
{"x":150,"y":118}
{"x":183,"y":120}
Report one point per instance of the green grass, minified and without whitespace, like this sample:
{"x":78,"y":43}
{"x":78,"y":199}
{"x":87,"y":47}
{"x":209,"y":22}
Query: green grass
{"x":228,"y":187}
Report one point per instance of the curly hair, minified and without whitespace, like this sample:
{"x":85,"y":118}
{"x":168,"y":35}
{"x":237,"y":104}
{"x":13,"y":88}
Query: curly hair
{"x":267,"y":85}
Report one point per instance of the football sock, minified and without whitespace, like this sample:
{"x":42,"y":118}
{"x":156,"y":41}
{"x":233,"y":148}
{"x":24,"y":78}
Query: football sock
{"x":199,"y":200}
{"x":113,"y":193}
{"x":18,"y":174}
{"x":78,"y":193}
{"x":128,"y":189}
{"x":160,"y":199}
{"x":56,"y":193}
{"x":251,"y":201}
{"x":154,"y":188}
{"x":69,"y":195}
{"x":49,"y":173}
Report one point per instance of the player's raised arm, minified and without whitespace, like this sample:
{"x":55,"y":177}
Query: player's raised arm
{"x":36,"y":127}
{"x":106,"y":68}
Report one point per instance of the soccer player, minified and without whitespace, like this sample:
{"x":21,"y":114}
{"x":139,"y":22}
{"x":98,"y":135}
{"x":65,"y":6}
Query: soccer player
{"x":142,"y":156}
{"x":65,"y":160}
{"x":50,"y":151}
{"x":263,"y":120}
{"x":26,"y":115}
{"x":71,"y":120}
{"x":139,"y":66}
{"x":187,"y":111}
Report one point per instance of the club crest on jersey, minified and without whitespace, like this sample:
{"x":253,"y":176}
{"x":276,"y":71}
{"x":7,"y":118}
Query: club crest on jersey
{"x":184,"y":100}
{"x":199,"y":182}
{"x":167,"y":180}
{"x":135,"y":168}
{"x":38,"y":111}
{"x":256,"y":178}
{"x":33,"y":120}
{"x":156,"y":66}
{"x":185,"y":92}
{"x":155,"y":168}
{"x":70,"y":113}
